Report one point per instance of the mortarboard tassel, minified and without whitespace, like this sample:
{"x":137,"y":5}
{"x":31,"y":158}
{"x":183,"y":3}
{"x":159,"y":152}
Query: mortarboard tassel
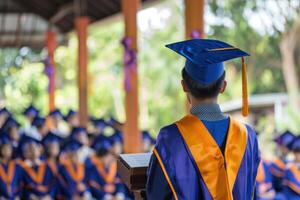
{"x":245,"y":108}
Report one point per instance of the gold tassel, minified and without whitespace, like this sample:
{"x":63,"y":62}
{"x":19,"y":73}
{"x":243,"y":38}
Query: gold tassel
{"x":245,"y":108}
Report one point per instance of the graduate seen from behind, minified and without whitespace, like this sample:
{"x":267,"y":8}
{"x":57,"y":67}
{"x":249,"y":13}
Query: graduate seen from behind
{"x":206,"y":155}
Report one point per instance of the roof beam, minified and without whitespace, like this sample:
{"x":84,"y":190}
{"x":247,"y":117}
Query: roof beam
{"x":62,"y":12}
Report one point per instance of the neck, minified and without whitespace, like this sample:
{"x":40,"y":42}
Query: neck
{"x":193,"y":101}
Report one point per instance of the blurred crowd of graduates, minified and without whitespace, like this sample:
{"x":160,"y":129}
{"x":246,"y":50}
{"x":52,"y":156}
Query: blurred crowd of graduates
{"x":279,"y":178}
{"x":53,"y":157}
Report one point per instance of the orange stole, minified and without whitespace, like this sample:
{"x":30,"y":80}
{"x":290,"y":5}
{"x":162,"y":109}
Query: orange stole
{"x":52,"y":166}
{"x":109,"y":176}
{"x":260,"y":173}
{"x":209,"y":158}
{"x":38,"y":176}
{"x":7,"y":178}
{"x":76,"y":175}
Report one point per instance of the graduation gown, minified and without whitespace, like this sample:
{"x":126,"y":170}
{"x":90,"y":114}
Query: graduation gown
{"x":292,"y":182}
{"x":10,"y":180}
{"x":195,"y":168}
{"x":38,"y":180}
{"x":277,"y":169}
{"x":264,"y":185}
{"x":72,"y":180}
{"x":100,"y":176}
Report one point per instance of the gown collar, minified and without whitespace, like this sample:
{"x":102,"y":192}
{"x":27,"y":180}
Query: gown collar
{"x":208,"y":111}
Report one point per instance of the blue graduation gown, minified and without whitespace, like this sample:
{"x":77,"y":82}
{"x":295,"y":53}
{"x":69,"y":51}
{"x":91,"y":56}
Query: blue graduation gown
{"x":277,"y":169}
{"x":38,"y":180}
{"x":72,"y":180}
{"x":184,"y":170}
{"x":264,"y":183}
{"x":292,"y":182}
{"x":10,"y":180}
{"x":99,"y":176}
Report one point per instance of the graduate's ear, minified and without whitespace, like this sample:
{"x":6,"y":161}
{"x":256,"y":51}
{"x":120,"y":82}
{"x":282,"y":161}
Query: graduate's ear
{"x":184,"y":86}
{"x":223,"y":86}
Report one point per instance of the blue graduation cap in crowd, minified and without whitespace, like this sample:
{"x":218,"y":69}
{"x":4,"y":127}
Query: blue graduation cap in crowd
{"x":71,"y":113}
{"x":71,"y":145}
{"x":204,"y":61}
{"x":295,"y":146}
{"x":4,"y":139}
{"x":38,"y":121}
{"x":146,"y":136}
{"x":116,"y":138}
{"x":10,"y":122}
{"x":5,"y":111}
{"x":32,"y":111}
{"x":55,"y":113}
{"x":285,"y":139}
{"x":25,"y":140}
{"x":99,"y":123}
{"x":112,"y":121}
{"x":76,"y":131}
{"x":103,"y":143}
{"x":51,"y":138}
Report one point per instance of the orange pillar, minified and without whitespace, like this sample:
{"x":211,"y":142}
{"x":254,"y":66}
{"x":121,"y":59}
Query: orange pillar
{"x":132,"y":136}
{"x":194,"y":24}
{"x":51,"y":45}
{"x":81,"y":24}
{"x":194,"y":18}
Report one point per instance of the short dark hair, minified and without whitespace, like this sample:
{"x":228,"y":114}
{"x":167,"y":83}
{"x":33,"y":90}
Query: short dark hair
{"x":200,"y":91}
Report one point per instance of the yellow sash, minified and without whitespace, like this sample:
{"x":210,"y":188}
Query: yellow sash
{"x":209,"y":158}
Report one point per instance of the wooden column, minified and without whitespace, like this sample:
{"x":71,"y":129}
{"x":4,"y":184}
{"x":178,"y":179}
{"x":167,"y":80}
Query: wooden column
{"x":81,"y":24}
{"x":194,"y":24}
{"x":194,"y":18}
{"x":132,"y":136}
{"x":51,"y":45}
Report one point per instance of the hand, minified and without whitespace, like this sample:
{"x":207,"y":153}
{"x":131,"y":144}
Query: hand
{"x":48,"y":197}
{"x":109,"y":188}
{"x":81,"y":187}
{"x":33,"y":197}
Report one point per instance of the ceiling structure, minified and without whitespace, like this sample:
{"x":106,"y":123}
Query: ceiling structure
{"x":25,"y":22}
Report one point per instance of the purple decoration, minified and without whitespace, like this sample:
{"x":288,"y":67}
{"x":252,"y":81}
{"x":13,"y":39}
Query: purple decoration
{"x":48,"y":71}
{"x":130,"y":60}
{"x":195,"y":34}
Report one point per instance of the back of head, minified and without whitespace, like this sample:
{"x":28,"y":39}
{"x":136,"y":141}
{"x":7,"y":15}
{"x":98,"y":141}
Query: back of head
{"x":200,"y":91}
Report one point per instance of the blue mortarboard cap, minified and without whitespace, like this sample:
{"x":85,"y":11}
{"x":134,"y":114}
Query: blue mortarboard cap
{"x":38,"y":121}
{"x":71,"y":113}
{"x":285,"y":139}
{"x":204,"y":61}
{"x":77,"y":130}
{"x":51,"y":138}
{"x":71,"y":145}
{"x":116,"y":138}
{"x":146,"y":135}
{"x":31,"y":110}
{"x":102,"y":142}
{"x":25,"y":140}
{"x":204,"y":58}
{"x":5,"y":111}
{"x":112,"y":121}
{"x":295,"y":145}
{"x":4,"y":139}
{"x":101,"y":123}
{"x":10,"y":121}
{"x":55,"y":113}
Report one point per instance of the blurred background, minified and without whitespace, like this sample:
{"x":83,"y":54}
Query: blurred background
{"x":268,"y":29}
